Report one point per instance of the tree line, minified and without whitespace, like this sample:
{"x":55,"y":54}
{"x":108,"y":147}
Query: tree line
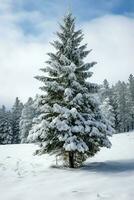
{"x":121,"y":97}
{"x":116,"y":103}
{"x":16,"y":123}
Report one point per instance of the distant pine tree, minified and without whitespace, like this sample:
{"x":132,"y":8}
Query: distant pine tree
{"x":114,"y":104}
{"x":6,"y":133}
{"x":105,"y":90}
{"x":16,"y":114}
{"x":26,"y":120}
{"x":123,"y":109}
{"x":108,"y":112}
{"x":70,"y":123}
{"x":131,"y":99}
{"x":131,"y":86}
{"x":107,"y":94}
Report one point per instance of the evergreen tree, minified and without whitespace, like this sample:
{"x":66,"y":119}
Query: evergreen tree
{"x":123,"y":108}
{"x":26,"y":120}
{"x":114,"y":104}
{"x":108,"y":93}
{"x":16,"y":114}
{"x":108,"y":112}
{"x":131,"y":86}
{"x":131,"y":99}
{"x":70,"y":123}
{"x":5,"y":127}
{"x":105,"y":90}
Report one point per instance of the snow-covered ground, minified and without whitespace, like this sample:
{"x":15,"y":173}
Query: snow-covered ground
{"x":107,"y":176}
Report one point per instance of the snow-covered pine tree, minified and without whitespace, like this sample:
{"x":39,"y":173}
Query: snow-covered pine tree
{"x":26,"y":120}
{"x":70,"y":122}
{"x":16,"y":114}
{"x":105,"y":90}
{"x":131,"y":86}
{"x":131,"y":99}
{"x":114,"y":104}
{"x":108,"y":112}
{"x":6,"y":133}
{"x":123,"y":108}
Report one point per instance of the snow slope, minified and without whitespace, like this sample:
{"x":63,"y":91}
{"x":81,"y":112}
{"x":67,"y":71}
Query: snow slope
{"x":107,"y":176}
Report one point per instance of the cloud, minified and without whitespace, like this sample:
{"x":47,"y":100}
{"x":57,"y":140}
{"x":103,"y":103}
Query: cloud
{"x":23,"y":52}
{"x":111,"y":38}
{"x":21,"y":55}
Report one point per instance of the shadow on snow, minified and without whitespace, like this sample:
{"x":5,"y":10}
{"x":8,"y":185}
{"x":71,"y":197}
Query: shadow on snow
{"x":110,"y":166}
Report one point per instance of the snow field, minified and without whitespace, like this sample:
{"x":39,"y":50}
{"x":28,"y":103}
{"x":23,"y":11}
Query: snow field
{"x":107,"y":176}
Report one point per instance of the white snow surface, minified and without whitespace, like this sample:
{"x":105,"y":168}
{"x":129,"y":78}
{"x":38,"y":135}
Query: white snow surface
{"x":107,"y":176}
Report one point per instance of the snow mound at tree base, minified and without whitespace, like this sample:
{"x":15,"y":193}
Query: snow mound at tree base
{"x":108,"y":175}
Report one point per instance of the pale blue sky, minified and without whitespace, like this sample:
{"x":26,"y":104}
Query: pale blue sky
{"x":27,"y":27}
{"x":84,"y":10}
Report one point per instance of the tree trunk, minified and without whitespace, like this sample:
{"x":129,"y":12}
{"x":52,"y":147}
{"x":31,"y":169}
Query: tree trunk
{"x":71,"y":159}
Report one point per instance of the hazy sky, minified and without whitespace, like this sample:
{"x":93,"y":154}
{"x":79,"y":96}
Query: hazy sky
{"x":27,"y":27}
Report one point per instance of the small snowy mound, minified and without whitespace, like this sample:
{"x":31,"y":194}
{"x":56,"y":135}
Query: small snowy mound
{"x":108,"y":175}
